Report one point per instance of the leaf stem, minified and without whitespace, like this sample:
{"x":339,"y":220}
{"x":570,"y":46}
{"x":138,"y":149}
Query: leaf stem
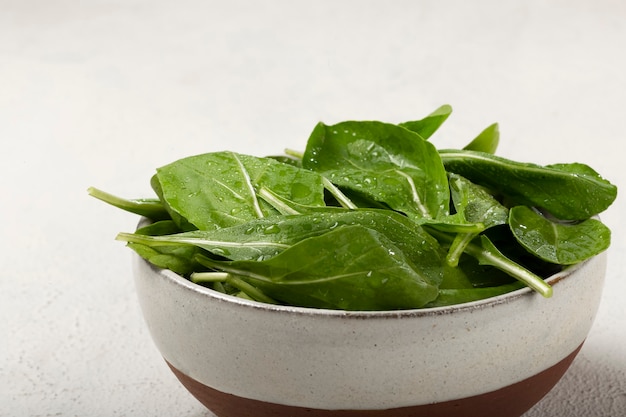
{"x":341,"y":197}
{"x":487,"y":254}
{"x":206,"y":277}
{"x":276,"y":202}
{"x":151,"y":208}
{"x":218,"y":277}
{"x":250,"y":290}
{"x":248,"y":184}
{"x":294,"y":153}
{"x":457,"y":247}
{"x":490,"y":255}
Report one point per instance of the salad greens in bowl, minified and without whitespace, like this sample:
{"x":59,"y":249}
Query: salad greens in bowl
{"x":371,"y":274}
{"x":371,"y":216}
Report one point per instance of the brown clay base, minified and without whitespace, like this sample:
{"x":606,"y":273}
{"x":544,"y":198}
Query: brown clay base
{"x":511,"y":401}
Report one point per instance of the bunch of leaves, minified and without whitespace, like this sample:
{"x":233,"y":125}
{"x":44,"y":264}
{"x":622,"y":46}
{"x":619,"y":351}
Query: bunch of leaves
{"x":371,"y":216}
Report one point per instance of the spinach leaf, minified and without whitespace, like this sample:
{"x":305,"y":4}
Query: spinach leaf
{"x":160,"y":228}
{"x":350,"y":268}
{"x":177,"y":258}
{"x":371,"y":216}
{"x":217,"y":190}
{"x":486,"y":253}
{"x":219,"y":242}
{"x":453,"y":296}
{"x":429,"y":124}
{"x":567,"y":191}
{"x":265,"y":238}
{"x":474,"y":205}
{"x":287,"y":159}
{"x":559,"y":243}
{"x":386,"y":162}
{"x":179,"y":220}
{"x":482,"y":276}
{"x":487,"y":141}
{"x":170,"y":255}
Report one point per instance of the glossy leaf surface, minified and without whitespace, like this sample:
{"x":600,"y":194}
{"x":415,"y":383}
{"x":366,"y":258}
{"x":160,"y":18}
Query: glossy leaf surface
{"x":474,"y":205}
{"x":383,"y":161}
{"x":219,"y":189}
{"x":567,"y":191}
{"x":371,"y":216}
{"x":559,"y":243}
{"x":264,"y":238}
{"x":350,"y":268}
{"x":487,"y":141}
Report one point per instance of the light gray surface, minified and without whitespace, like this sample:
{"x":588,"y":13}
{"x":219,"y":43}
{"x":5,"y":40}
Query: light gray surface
{"x":102,"y":92}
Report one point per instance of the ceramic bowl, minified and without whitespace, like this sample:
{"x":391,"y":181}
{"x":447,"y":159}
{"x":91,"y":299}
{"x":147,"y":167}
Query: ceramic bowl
{"x":496,"y":357}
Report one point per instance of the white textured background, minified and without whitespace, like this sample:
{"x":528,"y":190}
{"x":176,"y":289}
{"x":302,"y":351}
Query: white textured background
{"x":102,"y":92}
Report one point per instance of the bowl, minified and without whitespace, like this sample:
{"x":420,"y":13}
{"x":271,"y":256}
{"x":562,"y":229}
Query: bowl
{"x":495,"y":357}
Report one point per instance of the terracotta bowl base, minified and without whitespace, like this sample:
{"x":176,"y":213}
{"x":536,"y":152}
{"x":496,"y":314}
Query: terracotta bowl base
{"x":511,"y":401}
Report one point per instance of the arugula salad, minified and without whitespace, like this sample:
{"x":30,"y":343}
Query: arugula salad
{"x":370,"y":216}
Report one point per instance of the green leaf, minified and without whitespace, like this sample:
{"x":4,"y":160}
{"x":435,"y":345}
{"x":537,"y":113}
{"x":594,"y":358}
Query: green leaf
{"x":362,"y":219}
{"x":567,"y":191}
{"x":385,"y":162}
{"x":474,"y":205}
{"x":170,"y":255}
{"x":455,"y":296}
{"x":429,"y":124}
{"x":486,"y":253}
{"x":454,"y":277}
{"x":350,"y":268}
{"x":177,"y":258}
{"x":262,"y":239}
{"x":181,"y":222}
{"x":160,"y":228}
{"x":287,"y":159}
{"x":219,"y":189}
{"x":487,"y":141}
{"x":559,"y":243}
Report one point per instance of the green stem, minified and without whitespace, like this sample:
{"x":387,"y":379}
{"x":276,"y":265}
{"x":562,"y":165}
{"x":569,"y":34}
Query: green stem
{"x":251,"y":290}
{"x":294,"y":153}
{"x":144,"y":239}
{"x":218,"y":277}
{"x":487,"y":254}
{"x":341,"y":197}
{"x":208,"y":277}
{"x":150,"y":208}
{"x":457,"y":248}
{"x":276,"y":202}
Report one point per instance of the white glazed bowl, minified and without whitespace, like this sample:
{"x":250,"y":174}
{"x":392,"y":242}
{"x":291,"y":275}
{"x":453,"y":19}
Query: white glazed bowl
{"x":495,"y":357}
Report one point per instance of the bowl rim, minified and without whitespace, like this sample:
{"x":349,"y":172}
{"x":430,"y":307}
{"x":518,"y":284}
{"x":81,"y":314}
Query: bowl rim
{"x":239,"y":302}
